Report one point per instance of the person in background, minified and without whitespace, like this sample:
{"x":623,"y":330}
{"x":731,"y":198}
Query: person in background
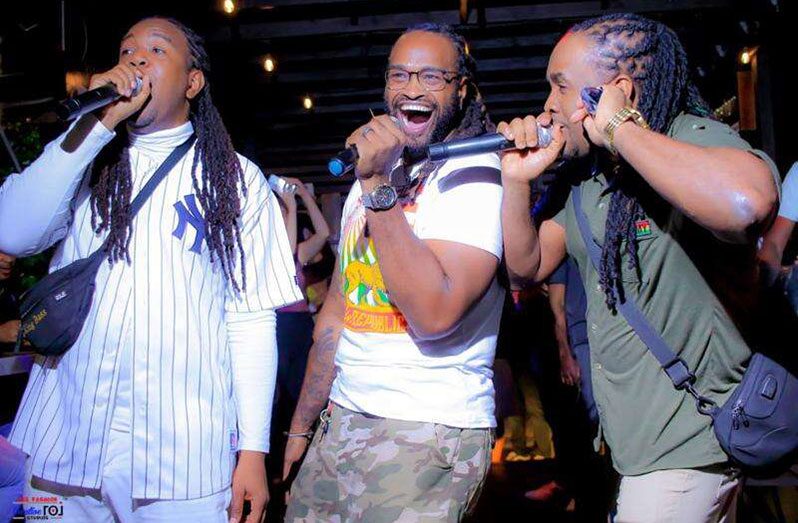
{"x":584,"y":474}
{"x":294,"y":322}
{"x":12,"y":460}
{"x":9,"y":313}
{"x":776,"y":239}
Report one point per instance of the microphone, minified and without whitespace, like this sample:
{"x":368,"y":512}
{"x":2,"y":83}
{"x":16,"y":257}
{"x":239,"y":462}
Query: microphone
{"x":90,"y":100}
{"x":344,"y":161}
{"x":487,"y":143}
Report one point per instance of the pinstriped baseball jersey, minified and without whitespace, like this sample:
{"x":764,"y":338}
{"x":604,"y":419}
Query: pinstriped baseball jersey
{"x":165,"y":311}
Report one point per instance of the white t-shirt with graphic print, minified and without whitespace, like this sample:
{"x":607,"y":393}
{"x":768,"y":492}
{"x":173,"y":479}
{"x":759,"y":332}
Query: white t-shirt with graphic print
{"x":383,"y":369}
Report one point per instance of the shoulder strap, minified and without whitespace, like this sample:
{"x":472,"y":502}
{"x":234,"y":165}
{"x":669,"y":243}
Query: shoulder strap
{"x":164,"y":169}
{"x":146,"y":191}
{"x":675,"y":367}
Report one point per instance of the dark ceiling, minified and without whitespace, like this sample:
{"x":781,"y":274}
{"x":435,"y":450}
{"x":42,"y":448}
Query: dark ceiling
{"x":335,"y":51}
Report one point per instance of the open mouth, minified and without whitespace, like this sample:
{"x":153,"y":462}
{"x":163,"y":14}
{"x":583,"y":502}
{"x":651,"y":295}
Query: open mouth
{"x":415,"y":117}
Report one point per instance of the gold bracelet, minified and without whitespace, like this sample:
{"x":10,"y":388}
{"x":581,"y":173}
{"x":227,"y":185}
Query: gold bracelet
{"x":627,"y":113}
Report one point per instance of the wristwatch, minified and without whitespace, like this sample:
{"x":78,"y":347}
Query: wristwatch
{"x":382,"y":198}
{"x":627,"y":113}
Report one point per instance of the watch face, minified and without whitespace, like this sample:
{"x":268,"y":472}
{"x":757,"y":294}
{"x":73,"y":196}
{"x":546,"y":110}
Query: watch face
{"x":384,"y":197}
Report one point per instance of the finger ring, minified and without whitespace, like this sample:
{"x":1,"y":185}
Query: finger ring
{"x":366,"y":131}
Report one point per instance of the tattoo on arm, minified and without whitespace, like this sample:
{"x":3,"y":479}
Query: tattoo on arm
{"x":318,"y":381}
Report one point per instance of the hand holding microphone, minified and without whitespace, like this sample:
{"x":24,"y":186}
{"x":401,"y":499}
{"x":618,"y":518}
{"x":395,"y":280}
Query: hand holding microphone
{"x":379,"y":145}
{"x":132,"y":91}
{"x":529,"y":159}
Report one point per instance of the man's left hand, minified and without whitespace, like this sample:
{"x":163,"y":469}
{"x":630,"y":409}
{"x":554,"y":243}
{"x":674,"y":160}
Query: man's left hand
{"x":379,"y":144}
{"x":249,"y":482}
{"x":612,"y":100}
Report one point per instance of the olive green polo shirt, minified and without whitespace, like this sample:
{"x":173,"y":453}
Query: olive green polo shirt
{"x":695,"y":290}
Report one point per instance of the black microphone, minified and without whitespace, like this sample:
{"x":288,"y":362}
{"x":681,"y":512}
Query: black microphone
{"x":91,"y":100}
{"x":486,"y":143}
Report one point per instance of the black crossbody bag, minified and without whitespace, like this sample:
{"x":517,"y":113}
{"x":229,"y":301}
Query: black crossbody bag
{"x":757,"y":426}
{"x":53,"y":312}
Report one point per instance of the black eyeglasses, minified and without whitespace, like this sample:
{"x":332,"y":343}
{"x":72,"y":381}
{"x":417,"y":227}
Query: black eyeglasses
{"x":430,"y":78}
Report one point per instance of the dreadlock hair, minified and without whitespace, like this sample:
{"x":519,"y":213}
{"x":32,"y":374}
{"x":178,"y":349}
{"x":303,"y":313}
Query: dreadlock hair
{"x":651,"y":54}
{"x":217,"y":190}
{"x":474,"y":118}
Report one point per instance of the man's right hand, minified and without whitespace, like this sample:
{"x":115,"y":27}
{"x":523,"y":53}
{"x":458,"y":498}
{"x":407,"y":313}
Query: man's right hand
{"x":294,"y":450}
{"x":526,"y":162}
{"x":123,"y":76}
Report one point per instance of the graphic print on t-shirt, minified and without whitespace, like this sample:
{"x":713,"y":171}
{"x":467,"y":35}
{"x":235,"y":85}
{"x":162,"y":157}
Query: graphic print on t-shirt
{"x":368,"y":306}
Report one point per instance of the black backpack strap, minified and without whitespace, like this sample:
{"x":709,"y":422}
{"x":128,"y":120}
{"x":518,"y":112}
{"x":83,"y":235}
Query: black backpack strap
{"x":675,"y":367}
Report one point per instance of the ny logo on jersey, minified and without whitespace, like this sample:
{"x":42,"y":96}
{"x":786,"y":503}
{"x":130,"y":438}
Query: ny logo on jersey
{"x":190,"y":215}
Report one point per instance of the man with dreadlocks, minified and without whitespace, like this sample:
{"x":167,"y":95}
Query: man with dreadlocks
{"x":411,"y":329}
{"x":164,"y":400}
{"x":676,"y":200}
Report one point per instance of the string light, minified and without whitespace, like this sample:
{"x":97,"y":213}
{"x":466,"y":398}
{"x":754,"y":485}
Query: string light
{"x":269,"y":64}
{"x":229,"y":6}
{"x":745,"y":57}
{"x":307,"y":103}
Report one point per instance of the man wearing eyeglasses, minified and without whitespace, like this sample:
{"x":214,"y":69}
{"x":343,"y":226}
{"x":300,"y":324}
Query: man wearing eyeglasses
{"x":404,"y":349}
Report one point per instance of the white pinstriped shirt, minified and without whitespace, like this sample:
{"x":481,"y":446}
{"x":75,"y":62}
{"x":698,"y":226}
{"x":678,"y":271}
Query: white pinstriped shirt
{"x":170,"y":312}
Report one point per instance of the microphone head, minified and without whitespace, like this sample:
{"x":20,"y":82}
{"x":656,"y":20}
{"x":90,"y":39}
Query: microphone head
{"x":343,"y":162}
{"x":336,"y":167}
{"x":544,"y":136}
{"x":437,"y":152}
{"x":137,"y":88}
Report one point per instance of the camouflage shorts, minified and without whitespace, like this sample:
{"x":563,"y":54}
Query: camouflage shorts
{"x":368,"y":469}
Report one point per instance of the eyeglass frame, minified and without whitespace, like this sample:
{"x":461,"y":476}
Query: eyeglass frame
{"x":410,"y":74}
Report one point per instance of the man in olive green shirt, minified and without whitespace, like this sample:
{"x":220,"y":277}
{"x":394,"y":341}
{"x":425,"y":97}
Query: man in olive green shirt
{"x":677,"y":210}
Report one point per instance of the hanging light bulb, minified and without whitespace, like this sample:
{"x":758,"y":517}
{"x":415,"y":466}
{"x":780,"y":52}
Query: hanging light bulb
{"x":307,"y":103}
{"x":745,"y":57}
{"x":269,"y":64}
{"x":229,"y":6}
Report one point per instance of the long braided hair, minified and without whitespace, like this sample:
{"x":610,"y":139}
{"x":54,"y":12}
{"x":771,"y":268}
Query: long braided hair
{"x":474,"y":117}
{"x":653,"y":56}
{"x":217,"y":190}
